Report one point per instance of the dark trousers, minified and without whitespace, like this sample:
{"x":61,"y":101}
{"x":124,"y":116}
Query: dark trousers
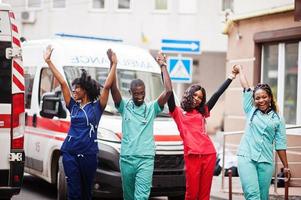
{"x":80,"y":172}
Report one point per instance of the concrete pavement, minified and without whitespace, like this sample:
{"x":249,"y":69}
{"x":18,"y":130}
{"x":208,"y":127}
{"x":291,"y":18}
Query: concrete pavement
{"x":218,"y":194}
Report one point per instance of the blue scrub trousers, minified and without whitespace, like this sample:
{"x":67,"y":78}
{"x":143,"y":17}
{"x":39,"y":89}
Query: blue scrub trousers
{"x":136,"y":174}
{"x":255,"y":178}
{"x":80,"y":171}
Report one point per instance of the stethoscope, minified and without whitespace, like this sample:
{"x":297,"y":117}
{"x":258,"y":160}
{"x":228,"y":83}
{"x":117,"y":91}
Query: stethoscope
{"x":268,"y":111}
{"x":144,"y":121}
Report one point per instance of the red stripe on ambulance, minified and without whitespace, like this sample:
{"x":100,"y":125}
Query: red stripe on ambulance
{"x":161,"y":138}
{"x":14,"y":28}
{"x":63,"y":127}
{"x":16,"y":42}
{"x":18,"y":68}
{"x":18,"y":83}
{"x":49,"y":124}
{"x":5,"y":120}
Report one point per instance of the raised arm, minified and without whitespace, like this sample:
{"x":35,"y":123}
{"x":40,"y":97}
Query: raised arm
{"x":171,"y":100}
{"x":164,"y":96}
{"x":242,"y":77}
{"x":171,"y":103}
{"x":114,"y":89}
{"x":65,"y":89}
{"x":110,"y":79}
{"x":212,"y":101}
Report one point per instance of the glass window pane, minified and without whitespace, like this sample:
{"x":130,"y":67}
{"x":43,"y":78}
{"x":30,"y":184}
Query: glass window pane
{"x":270,"y":66}
{"x":29,"y":73}
{"x":291,"y":82}
{"x":46,"y":80}
{"x":227,"y":4}
{"x":34,"y":3}
{"x":59,"y":3}
{"x":5,"y":74}
{"x":98,"y":4}
{"x":124,"y":4}
{"x":161,"y":5}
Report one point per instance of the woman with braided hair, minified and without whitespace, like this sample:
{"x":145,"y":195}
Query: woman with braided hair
{"x":264,"y":130}
{"x":86,"y":106}
{"x":199,"y":152}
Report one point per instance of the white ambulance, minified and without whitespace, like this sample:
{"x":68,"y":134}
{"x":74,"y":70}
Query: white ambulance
{"x":11,"y":106}
{"x":47,"y":120}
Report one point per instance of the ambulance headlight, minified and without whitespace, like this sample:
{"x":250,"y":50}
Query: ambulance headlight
{"x":107,"y":135}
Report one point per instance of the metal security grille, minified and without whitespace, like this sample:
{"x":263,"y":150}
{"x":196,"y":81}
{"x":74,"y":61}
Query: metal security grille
{"x":169,"y":162}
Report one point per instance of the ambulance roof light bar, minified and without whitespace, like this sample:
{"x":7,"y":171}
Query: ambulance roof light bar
{"x":88,"y":37}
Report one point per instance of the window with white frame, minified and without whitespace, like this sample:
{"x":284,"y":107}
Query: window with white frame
{"x":281,"y":69}
{"x":98,"y":4}
{"x":58,"y":3}
{"x":124,"y":4}
{"x":161,"y":5}
{"x":227,"y":5}
{"x":187,"y":6}
{"x":34,"y":4}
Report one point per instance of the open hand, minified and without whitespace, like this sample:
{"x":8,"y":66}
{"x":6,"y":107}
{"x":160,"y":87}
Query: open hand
{"x":47,"y":53}
{"x":112,"y":56}
{"x":161,"y":58}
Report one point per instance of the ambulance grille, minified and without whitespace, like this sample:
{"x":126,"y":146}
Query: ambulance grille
{"x":175,"y":162}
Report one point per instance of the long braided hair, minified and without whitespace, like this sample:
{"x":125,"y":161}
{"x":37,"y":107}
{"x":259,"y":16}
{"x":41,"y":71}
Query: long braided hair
{"x":91,"y":86}
{"x":188,"y":99}
{"x":268,"y":90}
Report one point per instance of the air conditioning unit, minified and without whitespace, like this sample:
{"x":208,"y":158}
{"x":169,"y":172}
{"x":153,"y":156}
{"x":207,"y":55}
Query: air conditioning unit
{"x":28,"y":17}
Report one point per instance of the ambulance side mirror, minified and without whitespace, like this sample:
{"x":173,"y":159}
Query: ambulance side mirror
{"x":52,"y":106}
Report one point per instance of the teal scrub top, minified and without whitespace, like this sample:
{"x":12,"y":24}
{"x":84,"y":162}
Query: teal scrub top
{"x":137,"y":127}
{"x":262,"y":132}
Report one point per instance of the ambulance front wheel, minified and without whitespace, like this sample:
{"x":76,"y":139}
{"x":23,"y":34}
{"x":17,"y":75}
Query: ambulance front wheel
{"x":61,"y":181}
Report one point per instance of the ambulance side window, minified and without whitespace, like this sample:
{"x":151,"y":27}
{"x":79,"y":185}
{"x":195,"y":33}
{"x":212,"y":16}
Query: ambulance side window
{"x":48,"y":83}
{"x":29,"y":77}
{"x":5,"y":74}
{"x":45,"y":82}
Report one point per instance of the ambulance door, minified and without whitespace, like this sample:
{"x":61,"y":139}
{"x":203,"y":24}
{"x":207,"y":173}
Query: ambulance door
{"x":11,"y":106}
{"x":39,"y":131}
{"x":5,"y":92}
{"x":29,"y":75}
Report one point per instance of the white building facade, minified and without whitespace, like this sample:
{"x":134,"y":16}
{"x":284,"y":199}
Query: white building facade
{"x":143,"y":23}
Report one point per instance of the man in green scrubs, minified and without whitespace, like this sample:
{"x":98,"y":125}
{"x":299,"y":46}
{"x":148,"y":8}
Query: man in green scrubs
{"x":137,"y":145}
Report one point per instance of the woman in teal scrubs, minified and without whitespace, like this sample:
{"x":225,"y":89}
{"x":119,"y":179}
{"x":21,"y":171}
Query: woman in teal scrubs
{"x":264,"y":130}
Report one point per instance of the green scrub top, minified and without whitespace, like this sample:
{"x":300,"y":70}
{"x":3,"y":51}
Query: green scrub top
{"x":137,"y":127}
{"x":262,"y":132}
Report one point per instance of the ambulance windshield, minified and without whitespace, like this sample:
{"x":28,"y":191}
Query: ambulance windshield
{"x":153,"y":83}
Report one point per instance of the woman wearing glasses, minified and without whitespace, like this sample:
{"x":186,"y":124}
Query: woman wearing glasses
{"x":199,"y":152}
{"x":264,"y":128}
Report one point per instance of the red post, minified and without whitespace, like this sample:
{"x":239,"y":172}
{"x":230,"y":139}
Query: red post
{"x":230,"y":183}
{"x":286,"y":185}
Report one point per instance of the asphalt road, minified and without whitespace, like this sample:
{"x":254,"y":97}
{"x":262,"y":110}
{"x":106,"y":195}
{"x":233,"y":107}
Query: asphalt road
{"x":37,"y":189}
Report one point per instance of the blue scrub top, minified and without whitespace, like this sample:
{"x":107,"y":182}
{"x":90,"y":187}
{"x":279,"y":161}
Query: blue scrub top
{"x":138,"y":128}
{"x":82,"y":135}
{"x":262,"y":132}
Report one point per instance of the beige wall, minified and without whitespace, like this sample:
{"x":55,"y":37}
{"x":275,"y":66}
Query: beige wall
{"x":241,"y":48}
{"x":210,"y":73}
